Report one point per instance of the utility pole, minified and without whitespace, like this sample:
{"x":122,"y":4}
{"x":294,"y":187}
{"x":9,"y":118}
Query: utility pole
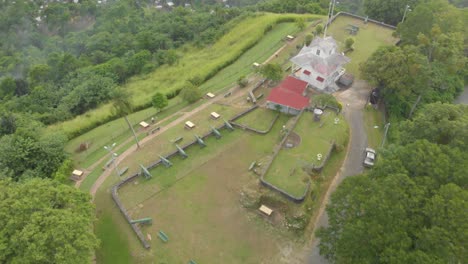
{"x":331,"y":7}
{"x":385,"y":134}
{"x":407,"y":9}
{"x":113,"y":157}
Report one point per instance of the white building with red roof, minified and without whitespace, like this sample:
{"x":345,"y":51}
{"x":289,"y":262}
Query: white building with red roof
{"x":289,"y":96}
{"x":319,"y":64}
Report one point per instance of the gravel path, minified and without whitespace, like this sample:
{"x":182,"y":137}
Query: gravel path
{"x":353,"y":100}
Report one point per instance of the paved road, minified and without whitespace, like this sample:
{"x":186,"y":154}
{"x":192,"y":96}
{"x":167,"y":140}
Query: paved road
{"x":353,"y":100}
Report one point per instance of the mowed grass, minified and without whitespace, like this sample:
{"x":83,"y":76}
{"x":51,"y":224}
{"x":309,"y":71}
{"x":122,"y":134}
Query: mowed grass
{"x":259,"y":119}
{"x":316,"y":137}
{"x":202,"y":62}
{"x":196,"y":203}
{"x":374,"y":124}
{"x":115,"y":131}
{"x":114,"y":241}
{"x":369,"y":37}
{"x":163,"y":144}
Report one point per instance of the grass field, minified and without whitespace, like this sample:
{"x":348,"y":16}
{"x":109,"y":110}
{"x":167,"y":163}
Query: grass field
{"x":369,"y":37}
{"x":316,"y":137}
{"x":259,"y":119}
{"x":201,"y":213}
{"x":193,"y":62}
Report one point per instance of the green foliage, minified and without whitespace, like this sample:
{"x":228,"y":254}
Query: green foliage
{"x":300,"y":23}
{"x":242,"y":81}
{"x":64,"y":172}
{"x":294,"y":6}
{"x":159,"y":101}
{"x":323,"y":100}
{"x":390,"y":12}
{"x":394,"y":220}
{"x":308,"y":39}
{"x":349,"y":42}
{"x":319,"y":30}
{"x":443,"y":124}
{"x":44,"y":221}
{"x":190,"y":93}
{"x":29,"y":152}
{"x":271,"y":71}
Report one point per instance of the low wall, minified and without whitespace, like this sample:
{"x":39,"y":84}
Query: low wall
{"x":341,"y":13}
{"x":261,"y":132}
{"x":116,"y":187}
{"x":243,"y":113}
{"x":275,"y":153}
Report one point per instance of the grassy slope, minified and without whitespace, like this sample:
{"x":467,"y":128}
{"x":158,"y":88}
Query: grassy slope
{"x":117,"y":131}
{"x":193,"y":62}
{"x":367,"y":40}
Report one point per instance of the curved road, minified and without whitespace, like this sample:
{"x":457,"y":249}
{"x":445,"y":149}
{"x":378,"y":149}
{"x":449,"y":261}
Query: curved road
{"x":353,"y":100}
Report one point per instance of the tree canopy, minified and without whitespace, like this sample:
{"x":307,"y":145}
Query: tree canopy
{"x":44,"y":221}
{"x":412,"y":206}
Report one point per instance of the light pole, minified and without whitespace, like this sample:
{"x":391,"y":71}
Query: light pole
{"x":113,"y":156}
{"x":385,"y":134}
{"x":407,"y":9}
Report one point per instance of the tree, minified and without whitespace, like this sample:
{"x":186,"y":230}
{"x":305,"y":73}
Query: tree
{"x":349,"y":43}
{"x":300,"y":23}
{"x":7,"y":87}
{"x":271,"y":71}
{"x":159,"y":101}
{"x":122,"y":107}
{"x":242,"y":81}
{"x":308,"y":39}
{"x":323,"y":100}
{"x":44,"y":221}
{"x":30,"y":151}
{"x":318,"y":30}
{"x":190,"y":93}
{"x":390,"y":12}
{"x":444,"y":124}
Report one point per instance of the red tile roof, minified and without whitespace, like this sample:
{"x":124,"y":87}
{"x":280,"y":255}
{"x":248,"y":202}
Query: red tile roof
{"x":289,"y":93}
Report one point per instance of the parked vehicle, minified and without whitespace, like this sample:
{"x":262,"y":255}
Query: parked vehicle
{"x":369,"y":157}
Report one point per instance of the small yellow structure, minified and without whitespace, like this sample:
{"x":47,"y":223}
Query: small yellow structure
{"x":210,"y":95}
{"x":215,"y":115}
{"x":265,"y":210}
{"x":256,"y":65}
{"x":189,"y":125}
{"x":143,"y":124}
{"x":289,"y":37}
{"x":76,"y":175}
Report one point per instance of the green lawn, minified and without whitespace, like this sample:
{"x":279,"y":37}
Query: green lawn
{"x":259,"y":119}
{"x":113,"y":132}
{"x":193,"y":62}
{"x":114,"y":247}
{"x":369,"y":37}
{"x":373,"y":120}
{"x":195,"y":202}
{"x":316,"y":137}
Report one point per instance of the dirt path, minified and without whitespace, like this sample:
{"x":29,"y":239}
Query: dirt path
{"x":353,"y":100}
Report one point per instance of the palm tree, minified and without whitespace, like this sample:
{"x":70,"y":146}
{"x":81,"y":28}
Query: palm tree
{"x":122,"y":107}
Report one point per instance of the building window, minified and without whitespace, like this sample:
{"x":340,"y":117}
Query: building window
{"x":317,"y":52}
{"x":320,"y":79}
